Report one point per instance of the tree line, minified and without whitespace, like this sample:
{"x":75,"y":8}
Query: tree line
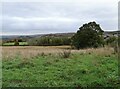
{"x":49,"y":41}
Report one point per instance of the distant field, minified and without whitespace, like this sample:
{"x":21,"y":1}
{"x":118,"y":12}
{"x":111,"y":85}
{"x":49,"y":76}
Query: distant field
{"x":38,"y":66}
{"x":12,"y":44}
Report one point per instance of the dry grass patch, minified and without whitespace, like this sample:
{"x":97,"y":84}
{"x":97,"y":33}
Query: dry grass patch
{"x":32,"y":51}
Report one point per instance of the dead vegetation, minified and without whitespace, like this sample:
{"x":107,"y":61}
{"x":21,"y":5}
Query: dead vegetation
{"x":64,"y":51}
{"x":30,"y":51}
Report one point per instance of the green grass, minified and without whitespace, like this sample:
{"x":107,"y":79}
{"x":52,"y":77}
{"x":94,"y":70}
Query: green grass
{"x":12,"y":44}
{"x":9,"y":44}
{"x":79,"y":70}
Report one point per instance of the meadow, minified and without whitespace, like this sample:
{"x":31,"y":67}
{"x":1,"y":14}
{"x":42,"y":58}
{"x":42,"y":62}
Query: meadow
{"x":59,"y":66}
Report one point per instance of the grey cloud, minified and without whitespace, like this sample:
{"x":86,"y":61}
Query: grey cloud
{"x":48,"y":17}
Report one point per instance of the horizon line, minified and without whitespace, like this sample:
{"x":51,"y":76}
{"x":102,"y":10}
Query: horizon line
{"x":46,"y":33}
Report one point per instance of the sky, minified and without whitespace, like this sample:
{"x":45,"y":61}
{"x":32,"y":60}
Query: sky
{"x":50,"y":16}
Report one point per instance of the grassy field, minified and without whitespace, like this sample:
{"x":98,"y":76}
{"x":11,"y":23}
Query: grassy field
{"x":12,"y":44}
{"x":37,"y":66}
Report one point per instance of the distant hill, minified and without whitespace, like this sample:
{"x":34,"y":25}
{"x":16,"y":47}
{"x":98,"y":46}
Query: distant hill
{"x":5,"y":38}
{"x":26,"y":37}
{"x":112,"y":32}
{"x":59,"y":35}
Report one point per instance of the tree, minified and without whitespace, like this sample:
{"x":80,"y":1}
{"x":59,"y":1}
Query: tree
{"x":89,"y":35}
{"x":16,"y":42}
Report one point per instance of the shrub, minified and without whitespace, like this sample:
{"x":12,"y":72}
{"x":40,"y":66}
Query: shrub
{"x":111,"y":40}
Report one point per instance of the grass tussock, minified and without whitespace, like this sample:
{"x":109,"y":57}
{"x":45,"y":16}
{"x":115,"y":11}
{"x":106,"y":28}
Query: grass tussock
{"x":65,"y":53}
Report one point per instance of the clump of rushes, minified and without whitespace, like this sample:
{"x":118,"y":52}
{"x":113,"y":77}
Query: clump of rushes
{"x":65,"y":54}
{"x":42,"y":54}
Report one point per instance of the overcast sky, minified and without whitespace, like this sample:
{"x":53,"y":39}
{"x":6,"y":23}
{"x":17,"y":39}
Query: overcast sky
{"x":57,"y":17}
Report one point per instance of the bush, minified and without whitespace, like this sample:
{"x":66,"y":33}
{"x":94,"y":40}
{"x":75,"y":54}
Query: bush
{"x":111,"y":40}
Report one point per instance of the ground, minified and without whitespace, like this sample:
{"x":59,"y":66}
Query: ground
{"x":38,"y":66}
